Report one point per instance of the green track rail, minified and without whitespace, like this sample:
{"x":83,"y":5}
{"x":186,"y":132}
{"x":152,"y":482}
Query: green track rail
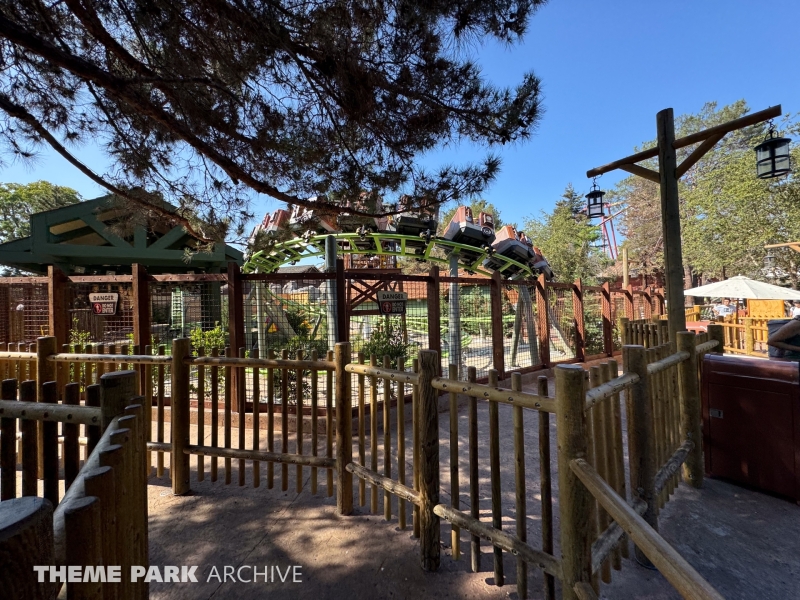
{"x":384,"y":244}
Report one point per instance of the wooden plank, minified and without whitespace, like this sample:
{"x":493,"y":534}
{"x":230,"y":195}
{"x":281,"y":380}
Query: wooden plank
{"x":434,"y":312}
{"x":474,"y":475}
{"x":575,"y":501}
{"x":494,"y":471}
{"x":455,"y":497}
{"x":344,"y":435}
{"x":546,"y":488}
{"x":215,"y":414}
{"x":429,"y":541}
{"x":670,"y":564}
{"x":520,"y":507}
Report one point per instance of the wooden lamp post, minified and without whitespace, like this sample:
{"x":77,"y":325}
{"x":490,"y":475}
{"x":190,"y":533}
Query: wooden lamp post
{"x":667,"y":176}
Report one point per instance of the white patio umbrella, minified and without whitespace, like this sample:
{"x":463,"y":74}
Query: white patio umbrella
{"x":744,"y":287}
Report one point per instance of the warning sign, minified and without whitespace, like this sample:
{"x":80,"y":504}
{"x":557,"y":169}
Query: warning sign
{"x":392,"y":303}
{"x":104,"y":304}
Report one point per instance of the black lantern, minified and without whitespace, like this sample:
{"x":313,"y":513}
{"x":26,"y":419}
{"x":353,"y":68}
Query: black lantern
{"x":594,"y":202}
{"x":769,"y":260}
{"x":772,"y":156}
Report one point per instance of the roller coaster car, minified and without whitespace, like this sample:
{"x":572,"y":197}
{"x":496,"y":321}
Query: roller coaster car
{"x":271,"y":224}
{"x":311,"y":219}
{"x":513,"y":245}
{"x":357,"y":223}
{"x":463,"y":229}
{"x":415,"y":223}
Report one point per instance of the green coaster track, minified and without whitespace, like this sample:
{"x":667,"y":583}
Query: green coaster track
{"x":385,"y":244}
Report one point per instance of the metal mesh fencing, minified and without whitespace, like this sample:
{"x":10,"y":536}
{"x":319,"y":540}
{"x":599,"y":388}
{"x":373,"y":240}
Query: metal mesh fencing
{"x":617,"y":313}
{"x":640,"y":306}
{"x":520,"y":327}
{"x":86,"y":327}
{"x":27,"y":312}
{"x":562,"y":322}
{"x":197,"y":310}
{"x":593,"y":320}
{"x":286,"y":317}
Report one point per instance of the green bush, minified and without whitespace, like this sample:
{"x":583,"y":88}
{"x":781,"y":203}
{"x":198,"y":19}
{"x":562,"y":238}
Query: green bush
{"x":387,"y":339}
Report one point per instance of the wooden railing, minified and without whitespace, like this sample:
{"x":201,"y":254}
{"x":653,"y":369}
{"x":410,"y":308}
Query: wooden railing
{"x":101,"y":520}
{"x":663,"y":434}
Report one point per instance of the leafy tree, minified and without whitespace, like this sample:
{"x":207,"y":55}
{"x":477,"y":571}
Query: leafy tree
{"x":210,"y":101}
{"x":566,"y":238}
{"x":18,"y":202}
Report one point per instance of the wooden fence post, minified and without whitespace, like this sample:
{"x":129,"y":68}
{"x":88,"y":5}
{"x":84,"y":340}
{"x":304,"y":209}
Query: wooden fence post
{"x":608,"y":326}
{"x":344,"y":433}
{"x":690,"y":409}
{"x":116,"y":390}
{"x":717,"y":332}
{"x":575,"y":501}
{"x":141,"y":316}
{"x":624,"y":326}
{"x":179,"y":460}
{"x":434,"y":313}
{"x":235,"y":325}
{"x":45,"y":371}
{"x":84,"y":544}
{"x":628,"y":291}
{"x":641,"y":442}
{"x":429,"y":533}
{"x":57,"y":288}
{"x":578,"y":318}
{"x":648,"y":304}
{"x":543,"y":318}
{"x":498,"y":333}
{"x":26,"y":540}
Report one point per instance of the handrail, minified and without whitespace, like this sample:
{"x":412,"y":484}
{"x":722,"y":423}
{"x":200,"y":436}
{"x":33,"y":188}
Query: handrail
{"x":666,"y":363}
{"x":17,"y":355}
{"x":136,"y":359}
{"x":611,"y":388}
{"x":706,"y":346}
{"x":394,"y":375}
{"x":262,"y":363}
{"x":672,"y":565}
{"x":44,"y":411}
{"x":546,"y":562}
{"x":475,"y":390}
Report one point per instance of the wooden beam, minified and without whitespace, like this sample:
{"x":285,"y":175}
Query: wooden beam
{"x":688,"y":582}
{"x":792,"y":245}
{"x":752,"y":119}
{"x":642,"y":172}
{"x":697,"y":154}
{"x":105,"y":231}
{"x":628,"y":160}
{"x":746,"y":121}
{"x":173,"y":236}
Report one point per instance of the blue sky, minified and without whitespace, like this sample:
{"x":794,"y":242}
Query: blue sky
{"x":607,"y":68}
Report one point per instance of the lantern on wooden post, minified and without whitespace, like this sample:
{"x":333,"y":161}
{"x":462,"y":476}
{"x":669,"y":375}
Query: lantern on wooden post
{"x":772,"y":156}
{"x":594,"y":201}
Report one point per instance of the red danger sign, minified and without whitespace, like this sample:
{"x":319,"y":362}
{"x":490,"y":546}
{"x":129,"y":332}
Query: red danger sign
{"x":104,"y":304}
{"x":392,"y":303}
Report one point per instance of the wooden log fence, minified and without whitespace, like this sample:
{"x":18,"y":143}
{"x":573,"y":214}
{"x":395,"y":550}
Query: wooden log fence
{"x":660,"y":385}
{"x":102,"y":517}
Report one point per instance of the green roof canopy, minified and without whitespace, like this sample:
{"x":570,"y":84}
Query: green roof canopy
{"x":86,"y":238}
